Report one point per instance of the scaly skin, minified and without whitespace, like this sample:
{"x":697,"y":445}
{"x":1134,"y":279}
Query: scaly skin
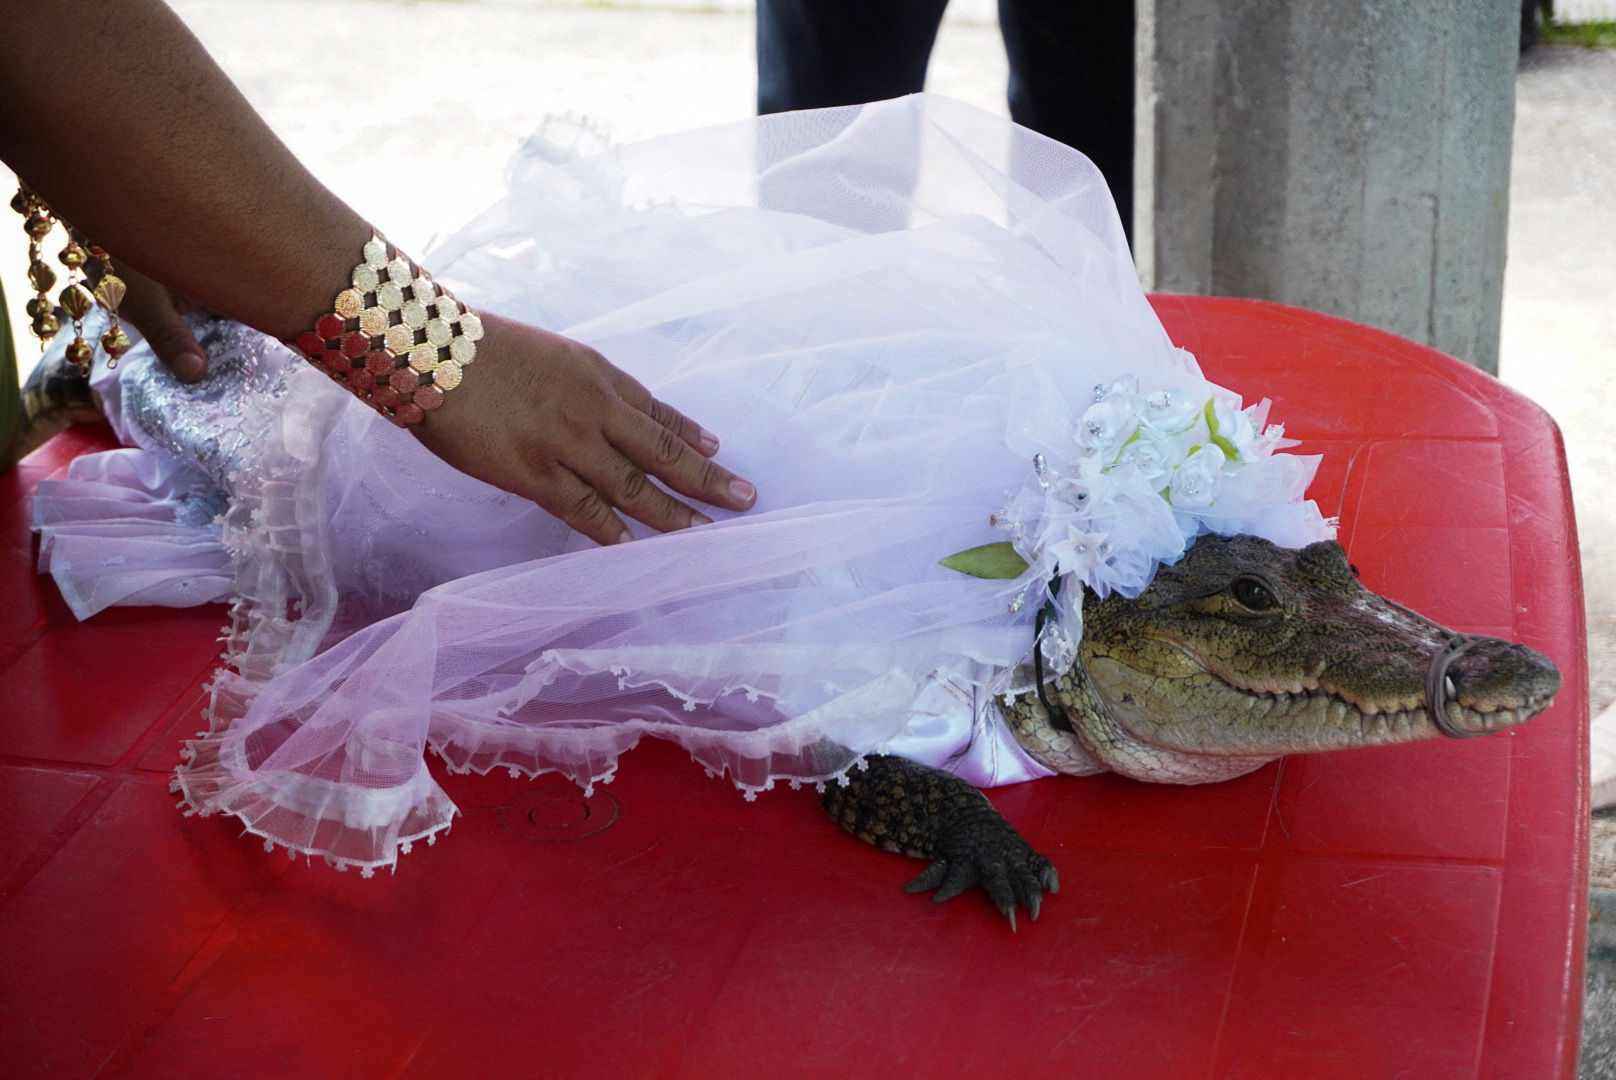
{"x":1237,"y":654}
{"x":55,"y":397}
{"x":926,"y":813}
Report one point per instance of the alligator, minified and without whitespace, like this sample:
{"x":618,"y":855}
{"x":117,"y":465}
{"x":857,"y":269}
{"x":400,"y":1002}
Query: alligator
{"x":1237,"y":654}
{"x":55,"y":397}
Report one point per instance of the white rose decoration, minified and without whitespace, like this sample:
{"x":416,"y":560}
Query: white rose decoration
{"x":1170,"y":411}
{"x":1195,"y":482}
{"x":1150,"y":453}
{"x":1235,"y":427}
{"x":1106,"y":424}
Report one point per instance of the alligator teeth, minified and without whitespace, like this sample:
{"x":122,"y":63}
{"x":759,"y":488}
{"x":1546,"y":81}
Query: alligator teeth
{"x":1451,"y":690}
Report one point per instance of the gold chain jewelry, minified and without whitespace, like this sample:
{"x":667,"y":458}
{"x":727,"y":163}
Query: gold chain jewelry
{"x":77,"y":297}
{"x":395,"y":337}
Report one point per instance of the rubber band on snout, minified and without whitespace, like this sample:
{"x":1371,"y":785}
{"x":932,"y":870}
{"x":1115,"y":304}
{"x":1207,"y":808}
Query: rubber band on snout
{"x":1436,"y":697}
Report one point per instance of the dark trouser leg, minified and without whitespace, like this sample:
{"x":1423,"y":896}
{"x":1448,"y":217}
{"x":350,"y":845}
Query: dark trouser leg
{"x":1071,"y":78}
{"x":820,"y":53}
{"x":816,"y":53}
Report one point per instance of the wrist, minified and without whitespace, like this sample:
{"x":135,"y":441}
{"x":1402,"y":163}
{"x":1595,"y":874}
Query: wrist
{"x":393,"y":336}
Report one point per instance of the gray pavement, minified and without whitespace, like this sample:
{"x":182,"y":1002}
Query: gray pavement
{"x":1559,"y":336}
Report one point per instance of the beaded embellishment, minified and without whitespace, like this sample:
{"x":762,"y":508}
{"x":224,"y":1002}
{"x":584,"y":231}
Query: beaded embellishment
{"x":90,"y":281}
{"x":394,"y":337}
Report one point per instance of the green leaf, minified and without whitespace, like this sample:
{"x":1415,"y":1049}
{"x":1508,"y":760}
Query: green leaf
{"x":1220,"y":441}
{"x":988,"y":561}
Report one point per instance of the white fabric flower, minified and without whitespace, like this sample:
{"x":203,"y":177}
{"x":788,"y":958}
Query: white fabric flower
{"x":1151,"y":453}
{"x":1144,"y":473}
{"x":1106,"y":424}
{"x":1235,"y":426}
{"x":1195,"y":482}
{"x":1078,"y":552}
{"x":1170,"y":411}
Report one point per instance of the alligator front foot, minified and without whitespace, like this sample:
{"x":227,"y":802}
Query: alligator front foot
{"x":927,"y":813}
{"x":977,"y":846}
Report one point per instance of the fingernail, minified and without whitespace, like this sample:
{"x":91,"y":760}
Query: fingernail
{"x":698,"y":518}
{"x":191,"y":367}
{"x":709,"y":441}
{"x":623,"y":537}
{"x":742,"y":492}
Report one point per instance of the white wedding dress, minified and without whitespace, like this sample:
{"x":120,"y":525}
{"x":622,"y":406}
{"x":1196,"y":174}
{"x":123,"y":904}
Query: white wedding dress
{"x":913,"y":325}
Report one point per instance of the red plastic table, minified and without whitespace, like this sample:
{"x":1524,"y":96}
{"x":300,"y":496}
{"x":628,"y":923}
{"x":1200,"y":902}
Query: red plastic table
{"x":1412,"y":911}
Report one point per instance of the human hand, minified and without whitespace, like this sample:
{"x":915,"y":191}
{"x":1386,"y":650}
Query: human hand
{"x":549,"y":419}
{"x":154,"y":309}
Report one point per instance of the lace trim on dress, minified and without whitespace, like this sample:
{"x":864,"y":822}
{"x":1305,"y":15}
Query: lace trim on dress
{"x":285,"y":603}
{"x":898,"y":368}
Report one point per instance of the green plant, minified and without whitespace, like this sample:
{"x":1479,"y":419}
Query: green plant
{"x":1592,"y":35}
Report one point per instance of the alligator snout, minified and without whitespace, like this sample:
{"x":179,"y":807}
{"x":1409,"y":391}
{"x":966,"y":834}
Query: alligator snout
{"x":1479,"y":685}
{"x":1244,"y":650}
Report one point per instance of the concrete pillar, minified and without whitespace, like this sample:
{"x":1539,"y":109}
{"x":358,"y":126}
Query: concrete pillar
{"x":1349,"y":157}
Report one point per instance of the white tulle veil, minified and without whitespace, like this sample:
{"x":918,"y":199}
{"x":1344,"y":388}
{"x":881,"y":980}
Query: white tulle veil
{"x":915,"y":326}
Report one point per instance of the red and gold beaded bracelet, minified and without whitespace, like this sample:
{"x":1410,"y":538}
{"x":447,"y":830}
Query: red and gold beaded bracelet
{"x":395,"y":337}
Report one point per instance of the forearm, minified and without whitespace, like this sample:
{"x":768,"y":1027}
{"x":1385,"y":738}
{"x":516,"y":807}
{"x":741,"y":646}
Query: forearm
{"x":148,"y":148}
{"x":114,"y":114}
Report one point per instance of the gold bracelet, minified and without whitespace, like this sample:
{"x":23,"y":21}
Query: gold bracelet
{"x":395,"y":337}
{"x":90,"y":282}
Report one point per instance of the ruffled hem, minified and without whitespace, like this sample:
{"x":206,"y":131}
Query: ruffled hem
{"x":345,"y":825}
{"x":893,"y":386}
{"x":131,"y":527}
{"x":285,"y":603}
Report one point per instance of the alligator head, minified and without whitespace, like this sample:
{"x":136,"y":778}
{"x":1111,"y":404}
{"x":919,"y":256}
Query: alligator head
{"x":1243,"y":651}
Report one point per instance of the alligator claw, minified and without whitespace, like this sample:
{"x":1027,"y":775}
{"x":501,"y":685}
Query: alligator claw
{"x":961,"y":876}
{"x":977,"y":846}
{"x":929,"y":878}
{"x":927,"y":813}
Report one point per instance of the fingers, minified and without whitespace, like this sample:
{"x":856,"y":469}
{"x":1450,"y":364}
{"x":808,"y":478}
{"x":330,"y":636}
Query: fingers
{"x":1025,"y":883}
{"x":659,"y":450}
{"x":155,"y":312}
{"x":996,"y":881}
{"x":1016,"y":880}
{"x":620,"y":483}
{"x":581,"y":507}
{"x":664,"y":415}
{"x":552,"y":420}
{"x":177,"y":350}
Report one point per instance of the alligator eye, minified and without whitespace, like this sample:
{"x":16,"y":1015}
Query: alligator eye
{"x":1254,"y":593}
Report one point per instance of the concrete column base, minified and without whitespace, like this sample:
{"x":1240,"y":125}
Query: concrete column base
{"x":1349,"y":158}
